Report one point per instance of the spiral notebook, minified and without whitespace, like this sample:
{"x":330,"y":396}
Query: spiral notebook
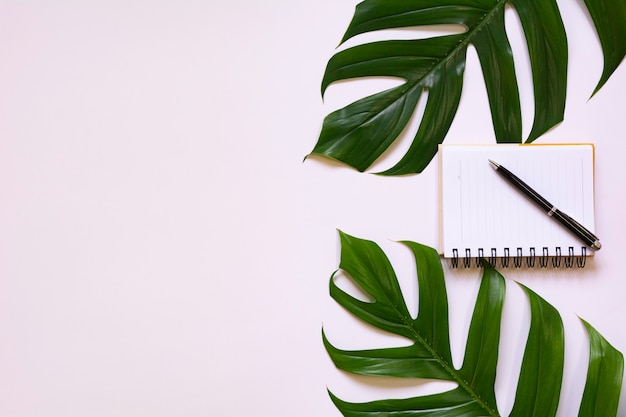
{"x":484,"y":217}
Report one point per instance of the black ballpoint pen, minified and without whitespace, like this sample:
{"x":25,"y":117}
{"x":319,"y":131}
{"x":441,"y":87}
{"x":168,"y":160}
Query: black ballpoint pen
{"x":572,"y":225}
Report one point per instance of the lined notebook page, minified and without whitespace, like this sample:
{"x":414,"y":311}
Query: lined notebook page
{"x":481,"y":211}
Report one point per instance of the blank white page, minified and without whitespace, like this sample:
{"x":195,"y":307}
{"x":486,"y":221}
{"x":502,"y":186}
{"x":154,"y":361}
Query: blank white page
{"x":480,"y":211}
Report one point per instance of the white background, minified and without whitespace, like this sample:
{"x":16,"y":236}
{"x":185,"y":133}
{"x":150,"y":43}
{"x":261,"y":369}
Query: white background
{"x":164,"y":249}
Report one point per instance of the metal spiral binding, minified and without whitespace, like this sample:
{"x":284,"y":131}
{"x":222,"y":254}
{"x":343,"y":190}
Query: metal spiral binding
{"x":530,"y":260}
{"x":505,"y":259}
{"x":555,"y":259}
{"x":518,"y":259}
{"x":569,"y":261}
{"x":580,"y":261}
{"x":454,"y":261}
{"x":543,"y":261}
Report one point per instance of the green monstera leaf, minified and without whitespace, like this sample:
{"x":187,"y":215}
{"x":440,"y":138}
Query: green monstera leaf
{"x":359,"y":133}
{"x":429,"y":354}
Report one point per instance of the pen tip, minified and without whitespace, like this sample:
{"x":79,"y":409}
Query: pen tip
{"x":495,"y":165}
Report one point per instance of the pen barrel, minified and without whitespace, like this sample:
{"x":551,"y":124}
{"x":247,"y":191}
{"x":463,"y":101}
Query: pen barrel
{"x":576,"y":228}
{"x":572,"y":225}
{"x":525,"y":189}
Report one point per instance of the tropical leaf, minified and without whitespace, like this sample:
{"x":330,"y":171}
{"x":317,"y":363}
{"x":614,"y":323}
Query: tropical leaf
{"x":429,"y":354}
{"x":359,"y":133}
{"x":539,"y":384}
{"x":604,"y":377}
{"x":609,"y":17}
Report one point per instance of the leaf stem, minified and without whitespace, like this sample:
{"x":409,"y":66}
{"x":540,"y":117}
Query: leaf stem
{"x":449,"y":368}
{"x":462,"y":45}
